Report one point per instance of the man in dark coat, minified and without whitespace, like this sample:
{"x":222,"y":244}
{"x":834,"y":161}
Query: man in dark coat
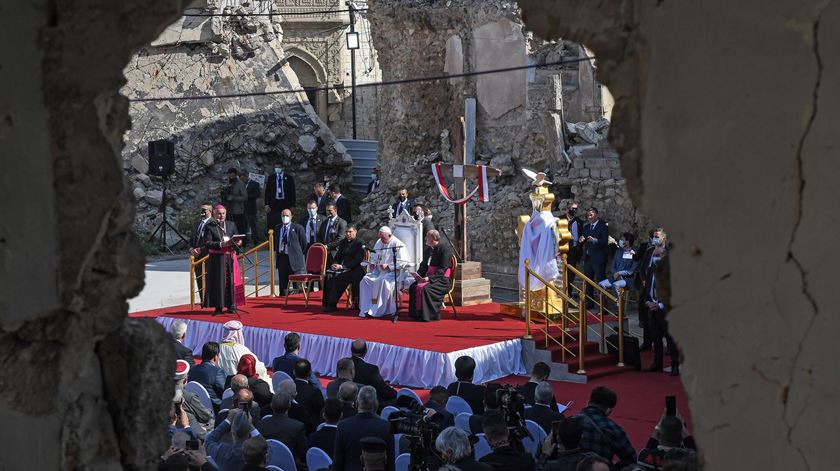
{"x":575,"y":225}
{"x":341,"y":202}
{"x":284,"y":429}
{"x":368,"y":374}
{"x":425,"y":296}
{"x":290,"y":239}
{"x":209,"y":375}
{"x":595,"y":238}
{"x":234,"y":198}
{"x":332,"y":231}
{"x":222,"y":264}
{"x":324,"y":438}
{"x":320,"y":197}
{"x":464,"y":387}
{"x":311,"y":222}
{"x":253,"y":190}
{"x":542,"y":412}
{"x":403,"y":204}
{"x":364,"y":424}
{"x":279,"y":195}
{"x":197,"y":248}
{"x":346,"y":270}
{"x":307,"y":395}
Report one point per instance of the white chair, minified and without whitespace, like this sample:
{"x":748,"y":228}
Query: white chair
{"x":279,"y":455}
{"x":198,"y":390}
{"x":387,"y":411}
{"x":317,"y":458}
{"x":462,"y":421}
{"x":212,"y":461}
{"x":402,"y":462}
{"x":482,"y":448}
{"x":276,"y":378}
{"x":269,"y":468}
{"x":411,"y":394}
{"x":228,"y":393}
{"x":563,"y":407}
{"x":538,"y":435}
{"x":456,"y":405}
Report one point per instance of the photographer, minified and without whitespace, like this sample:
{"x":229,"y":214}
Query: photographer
{"x":199,"y":417}
{"x":562,"y":444}
{"x":455,"y":449}
{"x":419,"y":427}
{"x":504,"y":456}
{"x":185,"y":454}
{"x":225,"y":443}
{"x":669,"y":434}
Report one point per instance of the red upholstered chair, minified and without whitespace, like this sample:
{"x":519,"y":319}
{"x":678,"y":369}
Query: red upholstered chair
{"x":452,"y":286}
{"x":316,"y":265}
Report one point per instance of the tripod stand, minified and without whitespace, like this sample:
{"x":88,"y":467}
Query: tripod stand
{"x":160,"y":230}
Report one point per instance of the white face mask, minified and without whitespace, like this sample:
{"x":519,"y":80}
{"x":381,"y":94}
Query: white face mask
{"x":656,"y":241}
{"x":278,"y":170}
{"x":312,"y":211}
{"x":621,"y":243}
{"x":287,"y":219}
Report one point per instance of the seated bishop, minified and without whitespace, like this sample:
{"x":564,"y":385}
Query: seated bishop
{"x":376,"y":290}
{"x":425,"y":296}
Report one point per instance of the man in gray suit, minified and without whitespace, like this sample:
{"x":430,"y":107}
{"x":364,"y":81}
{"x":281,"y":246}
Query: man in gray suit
{"x":290,"y":239}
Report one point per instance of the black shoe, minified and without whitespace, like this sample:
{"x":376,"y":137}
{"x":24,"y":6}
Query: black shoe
{"x":394,"y":319}
{"x":217,"y":312}
{"x":231,"y":311}
{"x":654,"y":369}
{"x":329,"y":308}
{"x":675,"y":370}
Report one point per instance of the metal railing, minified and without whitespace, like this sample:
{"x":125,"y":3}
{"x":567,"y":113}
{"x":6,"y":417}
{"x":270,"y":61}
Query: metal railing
{"x":251,"y":258}
{"x":573,"y":314}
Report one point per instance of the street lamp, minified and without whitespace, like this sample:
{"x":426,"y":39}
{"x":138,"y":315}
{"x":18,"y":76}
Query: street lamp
{"x":352,"y":45}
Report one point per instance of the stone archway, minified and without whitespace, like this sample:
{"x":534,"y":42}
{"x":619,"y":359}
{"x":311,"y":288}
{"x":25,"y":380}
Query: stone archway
{"x":311,"y":75}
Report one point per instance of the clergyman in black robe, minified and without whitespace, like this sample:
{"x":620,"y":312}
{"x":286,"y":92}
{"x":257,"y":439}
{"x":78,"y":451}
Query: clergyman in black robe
{"x":347,"y":268}
{"x":425,"y":296}
{"x":222,"y":266}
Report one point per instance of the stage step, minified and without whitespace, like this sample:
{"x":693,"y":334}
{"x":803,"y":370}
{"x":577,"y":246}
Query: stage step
{"x":596,"y":364}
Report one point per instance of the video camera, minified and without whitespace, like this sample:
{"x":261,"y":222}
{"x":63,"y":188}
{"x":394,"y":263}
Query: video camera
{"x":512,"y":405}
{"x":421,"y":430}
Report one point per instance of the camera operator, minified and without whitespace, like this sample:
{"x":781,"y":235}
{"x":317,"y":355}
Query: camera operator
{"x":419,"y":427}
{"x":505,"y":456}
{"x":455,"y":449}
{"x":489,"y":406}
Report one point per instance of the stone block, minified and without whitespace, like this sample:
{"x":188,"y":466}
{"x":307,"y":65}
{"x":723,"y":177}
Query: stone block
{"x":154,"y":197}
{"x":139,"y":193}
{"x":139,"y":163}
{"x":578,"y":163}
{"x":307,"y":143}
{"x":144,"y":179}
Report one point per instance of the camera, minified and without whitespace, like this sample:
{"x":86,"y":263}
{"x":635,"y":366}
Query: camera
{"x":421,"y":430}
{"x":192,"y":444}
{"x":512,"y":405}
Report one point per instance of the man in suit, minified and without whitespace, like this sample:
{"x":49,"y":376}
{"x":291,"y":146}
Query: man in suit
{"x":464,"y":388}
{"x":296,"y":410}
{"x":437,"y":402}
{"x":505,"y":456}
{"x":224,"y":444}
{"x":241,"y":395}
{"x":344,"y":371}
{"x":346,"y":270}
{"x":279,"y":426}
{"x":178,"y":329}
{"x":209,"y":375}
{"x":423,"y":214}
{"x":223,"y":281}
{"x":311,"y":222}
{"x":341,"y":202}
{"x":255,"y":454}
{"x":286,"y":362}
{"x":332,"y":231}
{"x":308,"y":396}
{"x":197,"y":248}
{"x":374,"y":181}
{"x":234,"y":199}
{"x":368,"y":374}
{"x":325,"y":437}
{"x":253,"y":190}
{"x":290,"y":239}
{"x":542,"y":412}
{"x":364,"y":424}
{"x":575,"y":226}
{"x":595,"y":238}
{"x":657,"y":301}
{"x":279,"y":195}
{"x":539,"y":373}
{"x":347,"y":393}
{"x":403,"y":204}
{"x":658,"y":238}
{"x":320,"y":197}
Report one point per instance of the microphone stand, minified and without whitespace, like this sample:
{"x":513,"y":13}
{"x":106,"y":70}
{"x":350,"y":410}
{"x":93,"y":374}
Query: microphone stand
{"x":454,"y":250}
{"x":396,"y":288}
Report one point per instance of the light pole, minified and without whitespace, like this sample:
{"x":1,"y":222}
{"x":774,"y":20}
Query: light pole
{"x":352,"y":45}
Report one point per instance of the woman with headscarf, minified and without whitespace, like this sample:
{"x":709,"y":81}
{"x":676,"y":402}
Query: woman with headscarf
{"x":259,"y":387}
{"x":233,"y":348}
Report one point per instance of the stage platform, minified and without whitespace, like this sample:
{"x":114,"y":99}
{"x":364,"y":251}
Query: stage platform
{"x":410,"y":353}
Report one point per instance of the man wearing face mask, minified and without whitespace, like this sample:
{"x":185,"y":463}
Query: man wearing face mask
{"x":320,"y":197}
{"x":374,"y":181}
{"x":235,"y":197}
{"x":658,"y":304}
{"x":279,"y":195}
{"x":623,"y":265}
{"x":332,"y":231}
{"x":402,"y":204}
{"x":575,"y":247}
{"x":290,"y":239}
{"x":311,"y":222}
{"x":644,"y":267}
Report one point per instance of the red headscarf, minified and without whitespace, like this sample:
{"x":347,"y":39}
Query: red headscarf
{"x":247,"y":366}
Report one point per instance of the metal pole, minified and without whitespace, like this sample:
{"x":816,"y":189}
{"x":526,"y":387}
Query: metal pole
{"x":353,"y":66}
{"x":565,"y":274}
{"x":271,"y":259}
{"x":547,"y":324}
{"x":257,"y":273}
{"x":603,"y":332}
{"x":581,"y":338}
{"x":620,"y":328}
{"x":203,"y":279}
{"x":192,"y":283}
{"x":528,"y":299}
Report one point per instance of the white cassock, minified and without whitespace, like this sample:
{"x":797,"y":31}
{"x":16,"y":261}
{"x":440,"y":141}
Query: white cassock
{"x":376,"y":290}
{"x":539,"y":246}
{"x":229,"y":355}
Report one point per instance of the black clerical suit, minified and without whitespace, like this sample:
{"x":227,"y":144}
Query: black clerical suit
{"x":595,"y":253}
{"x":349,"y":255}
{"x":331,"y":232}
{"x":368,"y":374}
{"x":427,"y":306}
{"x":342,"y":207}
{"x":219,"y":266}
{"x":472,"y":393}
{"x":289,"y":242}
{"x":278,"y":201}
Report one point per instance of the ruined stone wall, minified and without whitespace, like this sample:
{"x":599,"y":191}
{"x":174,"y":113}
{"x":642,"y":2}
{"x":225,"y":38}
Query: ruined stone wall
{"x":200,"y":56}
{"x":520,"y":119}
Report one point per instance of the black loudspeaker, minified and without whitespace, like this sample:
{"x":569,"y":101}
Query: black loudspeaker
{"x":161,"y":158}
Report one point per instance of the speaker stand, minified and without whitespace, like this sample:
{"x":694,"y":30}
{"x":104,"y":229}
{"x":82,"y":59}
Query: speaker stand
{"x":160,"y":230}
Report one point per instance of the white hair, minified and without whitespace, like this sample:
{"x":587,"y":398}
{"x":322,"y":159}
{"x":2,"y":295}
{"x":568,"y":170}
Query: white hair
{"x":178,"y":329}
{"x":366,"y":399}
{"x":453,"y":443}
{"x":543,"y":393}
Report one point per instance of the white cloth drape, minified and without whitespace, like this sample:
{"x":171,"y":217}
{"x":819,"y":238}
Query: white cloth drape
{"x":539,"y":246}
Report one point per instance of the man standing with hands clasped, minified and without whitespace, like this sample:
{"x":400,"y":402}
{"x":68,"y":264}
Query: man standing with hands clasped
{"x":594,"y":237}
{"x":291,"y":239}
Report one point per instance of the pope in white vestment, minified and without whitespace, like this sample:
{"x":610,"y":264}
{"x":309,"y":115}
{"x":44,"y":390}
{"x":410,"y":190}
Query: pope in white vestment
{"x":233,"y":347}
{"x":376,"y":290}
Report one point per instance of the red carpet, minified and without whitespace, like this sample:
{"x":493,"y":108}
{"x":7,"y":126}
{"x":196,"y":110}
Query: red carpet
{"x":475,"y":325}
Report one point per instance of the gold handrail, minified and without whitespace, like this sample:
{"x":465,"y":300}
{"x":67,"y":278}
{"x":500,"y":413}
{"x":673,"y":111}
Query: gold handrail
{"x":589,"y":281}
{"x":255,"y":265}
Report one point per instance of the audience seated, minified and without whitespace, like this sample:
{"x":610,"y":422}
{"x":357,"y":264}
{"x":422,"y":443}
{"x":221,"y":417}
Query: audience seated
{"x":325,"y":437}
{"x":364,"y":424}
{"x":564,"y":449}
{"x":296,"y":411}
{"x":344,"y":371}
{"x":347,"y":395}
{"x":437,"y":402}
{"x":224,"y":443}
{"x":464,"y":388}
{"x":505,"y":456}
{"x":541,"y":412}
{"x":455,"y":449}
{"x":490,"y":406}
{"x":669,"y":434}
{"x":540,"y":372}
{"x":209,"y":375}
{"x":178,"y":329}
{"x":368,"y":374}
{"x":308,"y":396}
{"x":233,"y":347}
{"x":255,"y":454}
{"x":280,"y":427}
{"x":258,"y":386}
{"x":286,"y":362}
{"x":601,"y":435}
{"x":243,"y":399}
{"x":200,"y":418}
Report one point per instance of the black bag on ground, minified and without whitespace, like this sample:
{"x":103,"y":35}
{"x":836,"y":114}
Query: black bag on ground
{"x":632,"y":356}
